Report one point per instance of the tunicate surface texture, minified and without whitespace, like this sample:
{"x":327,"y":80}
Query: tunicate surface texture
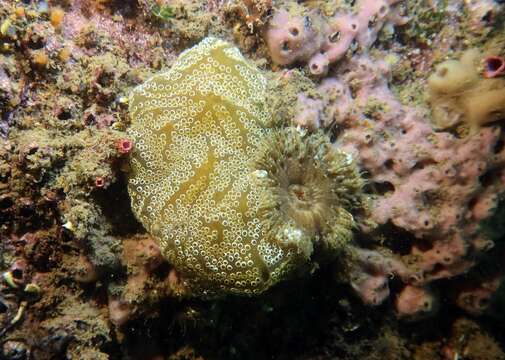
{"x":206,"y":185}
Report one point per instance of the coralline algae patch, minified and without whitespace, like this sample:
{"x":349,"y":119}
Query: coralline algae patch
{"x":231,"y":201}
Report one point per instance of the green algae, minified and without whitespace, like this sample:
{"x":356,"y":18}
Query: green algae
{"x":163,"y":12}
{"x":430,"y":20}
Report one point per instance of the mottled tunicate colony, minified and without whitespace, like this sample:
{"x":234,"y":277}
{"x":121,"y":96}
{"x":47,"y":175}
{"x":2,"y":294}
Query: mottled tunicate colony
{"x":203,"y":184}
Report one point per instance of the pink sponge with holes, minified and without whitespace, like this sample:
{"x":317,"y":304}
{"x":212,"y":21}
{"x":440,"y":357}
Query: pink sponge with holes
{"x":292,"y":38}
{"x":413,"y":301}
{"x":433,"y":188}
{"x":298,"y":36}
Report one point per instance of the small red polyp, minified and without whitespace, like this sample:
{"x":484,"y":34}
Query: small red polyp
{"x":493,"y":66}
{"x":99,"y":182}
{"x":124,"y":146}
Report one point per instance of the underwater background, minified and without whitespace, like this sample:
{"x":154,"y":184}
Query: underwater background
{"x":252,"y":179}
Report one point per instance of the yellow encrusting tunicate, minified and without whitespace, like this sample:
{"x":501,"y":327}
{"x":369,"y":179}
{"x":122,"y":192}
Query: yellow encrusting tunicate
{"x":458,"y":93}
{"x":202,"y":182}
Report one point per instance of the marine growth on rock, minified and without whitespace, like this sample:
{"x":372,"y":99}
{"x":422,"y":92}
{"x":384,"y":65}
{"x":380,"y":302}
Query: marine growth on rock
{"x":458,"y":92}
{"x":236,"y":205}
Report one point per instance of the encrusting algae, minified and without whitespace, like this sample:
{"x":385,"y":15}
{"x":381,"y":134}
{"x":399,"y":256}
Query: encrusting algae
{"x":235,"y":205}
